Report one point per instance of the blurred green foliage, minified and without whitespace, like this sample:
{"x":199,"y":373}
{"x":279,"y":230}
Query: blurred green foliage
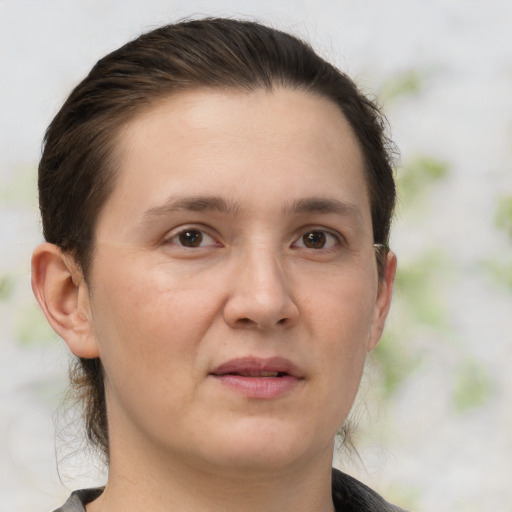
{"x":417,"y":292}
{"x":6,"y":287}
{"x":407,"y":495}
{"x":416,"y":288}
{"x":32,"y":327}
{"x":406,"y":83}
{"x":420,"y":304}
{"x":419,"y":296}
{"x":395,"y":361}
{"x":21,"y":189}
{"x":503,"y":216}
{"x":499,"y":268}
{"x":417,"y":176}
{"x":500,"y":272}
{"x":472,"y":386}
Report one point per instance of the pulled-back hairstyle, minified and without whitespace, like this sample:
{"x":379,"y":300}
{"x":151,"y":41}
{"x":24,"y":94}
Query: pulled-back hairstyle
{"x":77,"y":171}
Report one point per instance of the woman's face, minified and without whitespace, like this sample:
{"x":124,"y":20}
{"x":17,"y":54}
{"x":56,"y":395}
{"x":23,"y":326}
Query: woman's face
{"x":233,"y":294}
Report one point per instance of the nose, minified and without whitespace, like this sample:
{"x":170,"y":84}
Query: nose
{"x":260,"y":295}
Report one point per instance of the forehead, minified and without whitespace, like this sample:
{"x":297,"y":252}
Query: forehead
{"x":210,"y":117}
{"x":258,"y":149}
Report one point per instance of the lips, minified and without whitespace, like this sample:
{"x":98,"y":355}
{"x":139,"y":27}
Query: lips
{"x":259,"y":378}
{"x":274,"y":367}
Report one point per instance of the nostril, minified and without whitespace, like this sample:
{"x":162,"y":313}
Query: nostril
{"x":246,"y":321}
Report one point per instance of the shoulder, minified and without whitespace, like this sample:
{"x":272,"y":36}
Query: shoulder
{"x":350,"y":495}
{"x":78,"y":499}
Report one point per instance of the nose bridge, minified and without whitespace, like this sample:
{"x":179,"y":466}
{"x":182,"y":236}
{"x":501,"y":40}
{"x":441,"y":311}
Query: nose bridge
{"x":263,"y":269}
{"x":260,"y":295}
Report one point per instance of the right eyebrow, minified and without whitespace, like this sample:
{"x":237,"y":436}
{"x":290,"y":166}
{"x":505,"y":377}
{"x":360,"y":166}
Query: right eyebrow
{"x":192,"y":204}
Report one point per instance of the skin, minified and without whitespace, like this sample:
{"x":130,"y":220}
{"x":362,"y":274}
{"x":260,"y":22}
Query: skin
{"x":162,"y":316}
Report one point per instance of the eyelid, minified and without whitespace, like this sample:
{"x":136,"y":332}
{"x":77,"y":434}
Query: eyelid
{"x":167,"y":239}
{"x":340,"y":239}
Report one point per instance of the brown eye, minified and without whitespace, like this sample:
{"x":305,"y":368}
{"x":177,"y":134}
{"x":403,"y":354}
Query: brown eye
{"x":190,"y":238}
{"x":318,"y":239}
{"x":314,"y":239}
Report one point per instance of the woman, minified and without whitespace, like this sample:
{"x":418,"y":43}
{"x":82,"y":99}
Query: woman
{"x":216,"y":203}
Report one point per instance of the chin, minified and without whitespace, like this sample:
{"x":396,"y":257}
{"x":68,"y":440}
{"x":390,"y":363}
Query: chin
{"x":265,"y":445}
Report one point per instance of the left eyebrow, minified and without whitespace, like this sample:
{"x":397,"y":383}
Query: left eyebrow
{"x":325,"y":205}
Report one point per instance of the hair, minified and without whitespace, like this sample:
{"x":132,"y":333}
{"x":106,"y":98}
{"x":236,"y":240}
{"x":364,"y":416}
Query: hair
{"x":77,"y":171}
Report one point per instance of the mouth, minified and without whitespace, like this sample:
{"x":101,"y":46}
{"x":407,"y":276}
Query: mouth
{"x":259,"y":378}
{"x":258,"y":374}
{"x":275,"y":367}
{"x":254,"y":374}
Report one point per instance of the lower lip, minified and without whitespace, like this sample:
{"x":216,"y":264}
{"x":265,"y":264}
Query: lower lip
{"x":259,"y":387}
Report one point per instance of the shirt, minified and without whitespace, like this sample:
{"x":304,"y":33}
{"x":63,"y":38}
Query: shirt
{"x":348,"y":495}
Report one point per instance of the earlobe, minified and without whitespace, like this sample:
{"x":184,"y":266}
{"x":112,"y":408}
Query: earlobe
{"x":383,"y":302}
{"x":60,"y":289}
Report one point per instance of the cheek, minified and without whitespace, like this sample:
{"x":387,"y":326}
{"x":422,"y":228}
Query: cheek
{"x":147,"y":323}
{"x":342,"y":307}
{"x":343,"y":313}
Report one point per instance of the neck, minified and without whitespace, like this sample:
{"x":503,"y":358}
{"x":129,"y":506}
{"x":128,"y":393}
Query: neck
{"x":163,"y":486}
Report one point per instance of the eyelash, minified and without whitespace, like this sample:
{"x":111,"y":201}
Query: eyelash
{"x":174,"y":239}
{"x":336,"y":239}
{"x":325,"y":235}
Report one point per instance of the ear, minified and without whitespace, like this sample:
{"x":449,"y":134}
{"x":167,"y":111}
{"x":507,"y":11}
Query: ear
{"x":59,"y":287}
{"x":383,"y":300}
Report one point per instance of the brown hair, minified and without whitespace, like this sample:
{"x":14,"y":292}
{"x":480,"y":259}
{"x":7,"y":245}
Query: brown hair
{"x":77,"y":170}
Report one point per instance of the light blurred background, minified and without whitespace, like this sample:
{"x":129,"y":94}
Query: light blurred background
{"x":435,"y":412}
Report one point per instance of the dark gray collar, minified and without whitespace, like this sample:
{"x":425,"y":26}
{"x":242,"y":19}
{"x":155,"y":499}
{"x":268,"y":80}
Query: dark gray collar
{"x":348,"y":495}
